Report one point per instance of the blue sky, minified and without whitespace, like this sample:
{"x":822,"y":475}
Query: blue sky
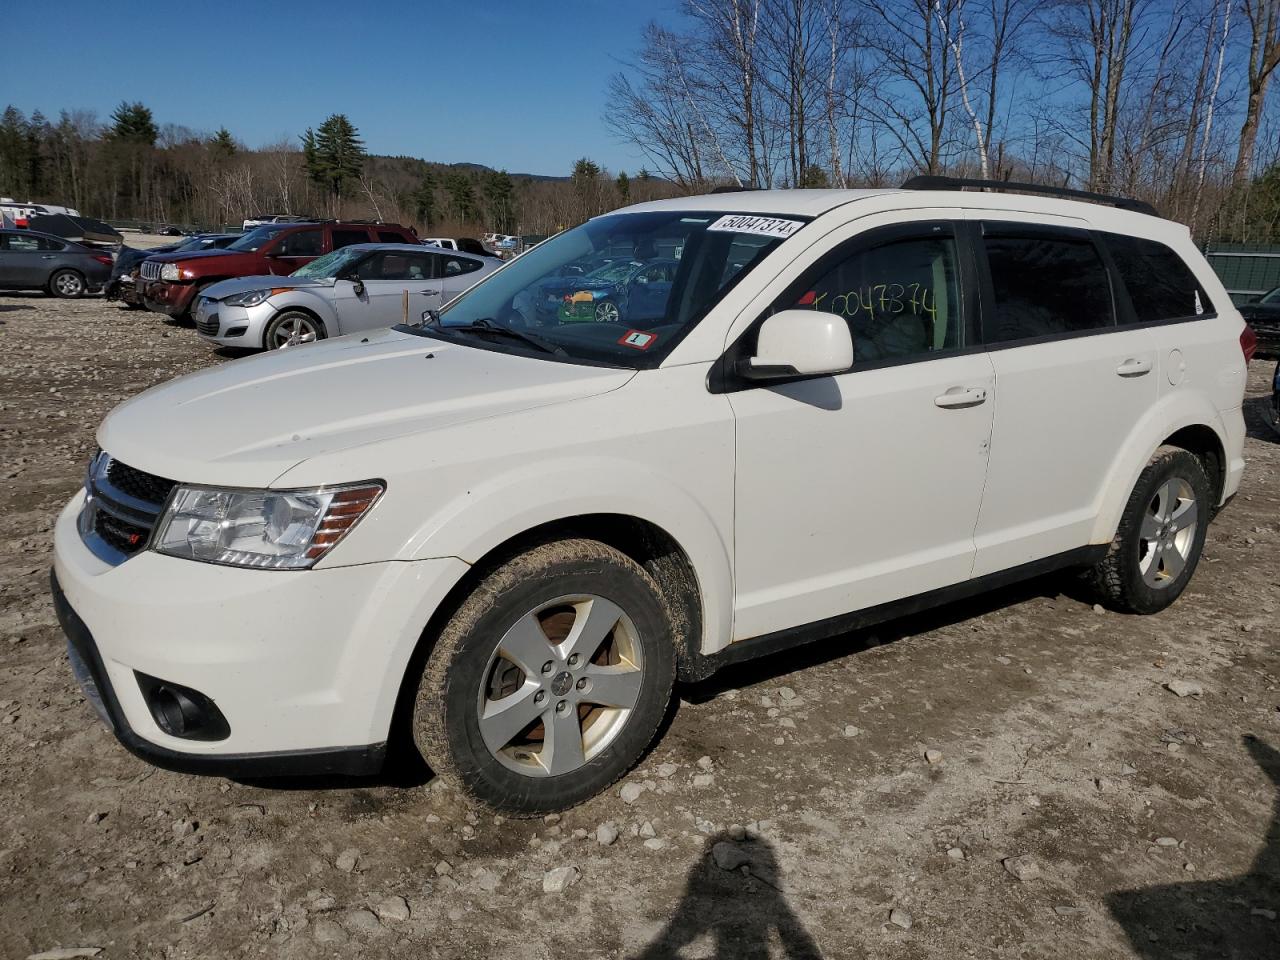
{"x":512,"y":85}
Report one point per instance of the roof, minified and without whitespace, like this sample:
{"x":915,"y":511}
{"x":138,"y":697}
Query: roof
{"x":801,"y":203}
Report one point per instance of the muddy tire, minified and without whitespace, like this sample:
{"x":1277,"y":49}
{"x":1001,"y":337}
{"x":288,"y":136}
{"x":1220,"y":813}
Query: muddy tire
{"x":1160,"y":538}
{"x":550,"y":680}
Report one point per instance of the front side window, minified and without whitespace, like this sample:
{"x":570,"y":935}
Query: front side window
{"x":1160,"y":285}
{"x":1045,"y":283}
{"x":256,"y":239}
{"x":396,"y":265}
{"x":900,"y":298}
{"x":573,"y":297}
{"x":303,"y":243}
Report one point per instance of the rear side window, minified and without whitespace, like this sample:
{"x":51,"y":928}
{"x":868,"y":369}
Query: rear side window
{"x":1045,"y":284}
{"x":1160,"y":285}
{"x":392,"y":236}
{"x":345,"y":238}
{"x":455,"y":266}
{"x":900,"y":297}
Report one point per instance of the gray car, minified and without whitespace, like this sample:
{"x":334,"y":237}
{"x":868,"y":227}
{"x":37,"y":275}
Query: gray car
{"x":41,"y":261}
{"x":359,"y":287}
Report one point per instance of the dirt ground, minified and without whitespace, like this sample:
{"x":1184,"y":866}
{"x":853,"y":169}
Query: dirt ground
{"x":1151,"y":819}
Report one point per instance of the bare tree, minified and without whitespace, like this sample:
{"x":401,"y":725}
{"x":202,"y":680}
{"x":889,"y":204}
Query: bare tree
{"x":954,"y":38}
{"x":1263,"y":17}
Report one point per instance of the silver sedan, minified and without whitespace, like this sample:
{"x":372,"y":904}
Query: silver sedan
{"x":360,"y":287}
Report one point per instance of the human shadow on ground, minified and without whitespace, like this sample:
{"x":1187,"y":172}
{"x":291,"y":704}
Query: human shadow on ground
{"x":1229,"y":919}
{"x":734,"y":896}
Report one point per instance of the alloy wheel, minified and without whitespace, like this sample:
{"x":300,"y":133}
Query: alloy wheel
{"x":607,"y":312}
{"x":294,"y":330}
{"x":1168,"y":533}
{"x":68,"y":284}
{"x":560,"y":685}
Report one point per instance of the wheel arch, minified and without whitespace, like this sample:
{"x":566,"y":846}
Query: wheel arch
{"x":645,"y":542}
{"x":294,"y":307}
{"x":1183,"y":420}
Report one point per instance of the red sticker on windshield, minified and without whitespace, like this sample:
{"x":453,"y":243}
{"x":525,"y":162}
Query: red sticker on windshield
{"x":638,"y":339}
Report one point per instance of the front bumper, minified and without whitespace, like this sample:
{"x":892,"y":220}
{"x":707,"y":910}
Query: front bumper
{"x":231,"y":326}
{"x":305,"y":666}
{"x":173,"y":299}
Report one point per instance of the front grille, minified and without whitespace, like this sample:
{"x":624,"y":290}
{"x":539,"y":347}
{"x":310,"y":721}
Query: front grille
{"x":208,"y":325}
{"x":150,"y":270}
{"x":139,"y":484}
{"x":121,"y":507}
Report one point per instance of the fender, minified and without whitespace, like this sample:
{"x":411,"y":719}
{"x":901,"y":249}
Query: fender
{"x":1165,"y":417}
{"x":464,"y":527}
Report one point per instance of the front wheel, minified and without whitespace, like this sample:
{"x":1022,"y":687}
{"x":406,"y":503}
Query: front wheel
{"x":549,"y":681}
{"x":291,"y":328}
{"x":68,"y":284}
{"x":607,"y":312}
{"x":1161,"y":535}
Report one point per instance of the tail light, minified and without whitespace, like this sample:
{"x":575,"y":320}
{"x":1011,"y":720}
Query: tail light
{"x":1248,"y":343}
{"x":103,"y":259}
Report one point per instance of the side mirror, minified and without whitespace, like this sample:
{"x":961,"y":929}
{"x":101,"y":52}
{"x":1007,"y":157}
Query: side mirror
{"x":356,"y":283}
{"x":800,"y":343}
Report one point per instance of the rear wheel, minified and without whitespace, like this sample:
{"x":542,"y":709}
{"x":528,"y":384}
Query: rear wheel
{"x":68,"y":284}
{"x":1161,"y":535}
{"x":607,"y":312}
{"x":549,"y":681}
{"x":292,"y":328}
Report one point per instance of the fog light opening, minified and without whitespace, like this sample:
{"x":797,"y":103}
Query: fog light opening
{"x":182,"y":712}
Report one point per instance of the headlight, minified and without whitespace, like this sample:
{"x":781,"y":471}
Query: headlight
{"x":169,"y":271}
{"x":250,"y":298}
{"x":268,"y":529}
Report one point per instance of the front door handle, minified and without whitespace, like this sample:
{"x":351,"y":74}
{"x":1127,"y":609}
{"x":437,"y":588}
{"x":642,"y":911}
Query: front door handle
{"x":961,"y":397}
{"x":430,"y":292}
{"x":1134,"y":368}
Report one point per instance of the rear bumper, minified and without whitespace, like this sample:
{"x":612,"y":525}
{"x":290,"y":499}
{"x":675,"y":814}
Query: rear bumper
{"x":87,"y":665}
{"x":173,"y":299}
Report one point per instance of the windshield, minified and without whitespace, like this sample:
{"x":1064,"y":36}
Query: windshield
{"x":662,"y":271}
{"x":1271,"y":297}
{"x":331,"y":264}
{"x":257,"y":238}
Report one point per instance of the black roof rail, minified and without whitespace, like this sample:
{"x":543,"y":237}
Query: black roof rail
{"x":1014,"y":186}
{"x":733,"y":188}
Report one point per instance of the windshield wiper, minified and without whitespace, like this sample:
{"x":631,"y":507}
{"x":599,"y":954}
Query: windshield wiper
{"x":486,"y":327}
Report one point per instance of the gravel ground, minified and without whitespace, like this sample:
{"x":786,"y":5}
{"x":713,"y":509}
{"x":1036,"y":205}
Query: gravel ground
{"x":1075,"y":806}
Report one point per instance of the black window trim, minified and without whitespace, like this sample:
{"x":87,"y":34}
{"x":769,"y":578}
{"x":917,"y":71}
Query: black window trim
{"x":723,"y":376}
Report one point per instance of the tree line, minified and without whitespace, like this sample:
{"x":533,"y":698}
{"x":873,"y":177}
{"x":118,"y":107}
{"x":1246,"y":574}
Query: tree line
{"x":1164,"y":100}
{"x":130,"y":168}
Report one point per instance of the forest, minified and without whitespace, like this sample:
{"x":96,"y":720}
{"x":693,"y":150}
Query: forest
{"x":1163,"y":100}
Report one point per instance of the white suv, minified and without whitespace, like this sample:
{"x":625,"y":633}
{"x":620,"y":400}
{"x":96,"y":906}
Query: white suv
{"x":514,"y":525}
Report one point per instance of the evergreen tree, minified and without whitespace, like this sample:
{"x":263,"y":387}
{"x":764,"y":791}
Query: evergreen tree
{"x":624,"y":187}
{"x":644,"y":174}
{"x":310,"y":159}
{"x":38,"y":131}
{"x":424,"y":199}
{"x":499,"y":194}
{"x":13,"y":153}
{"x":222,"y":145}
{"x":337,"y":154}
{"x":133,"y":123}
{"x":458,"y":186}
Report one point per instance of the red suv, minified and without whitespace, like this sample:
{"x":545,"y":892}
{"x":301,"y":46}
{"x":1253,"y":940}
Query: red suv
{"x":169,"y":283}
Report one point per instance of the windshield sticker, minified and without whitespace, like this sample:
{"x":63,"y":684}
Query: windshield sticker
{"x":638,"y":339}
{"x":761,"y":226}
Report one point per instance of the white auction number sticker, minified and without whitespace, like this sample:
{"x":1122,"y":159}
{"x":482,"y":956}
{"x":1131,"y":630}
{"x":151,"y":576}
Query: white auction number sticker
{"x":761,"y":226}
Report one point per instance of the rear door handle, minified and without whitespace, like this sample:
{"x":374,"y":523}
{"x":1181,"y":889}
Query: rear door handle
{"x":961,"y":397}
{"x":1134,"y":368}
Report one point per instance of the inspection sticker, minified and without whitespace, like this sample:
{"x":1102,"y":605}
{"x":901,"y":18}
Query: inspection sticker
{"x":762,"y":226}
{"x":638,"y":339}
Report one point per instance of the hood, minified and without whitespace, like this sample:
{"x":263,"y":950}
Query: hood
{"x":246,"y":422}
{"x":186,"y":255}
{"x":227,"y":288}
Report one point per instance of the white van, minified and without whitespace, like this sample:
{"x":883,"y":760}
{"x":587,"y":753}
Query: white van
{"x":523,"y":519}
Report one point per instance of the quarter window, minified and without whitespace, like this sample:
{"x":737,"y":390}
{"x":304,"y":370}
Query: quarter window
{"x":1160,"y":285}
{"x":1045,"y":284}
{"x":900,"y":298}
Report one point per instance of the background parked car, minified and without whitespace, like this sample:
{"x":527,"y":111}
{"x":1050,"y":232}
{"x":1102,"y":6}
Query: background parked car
{"x":38,"y":261}
{"x":627,"y":291}
{"x":122,"y":284}
{"x":358,"y":287}
{"x":262,"y":219}
{"x":1263,"y":315}
{"x":171,"y":281}
{"x":465,"y":244}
